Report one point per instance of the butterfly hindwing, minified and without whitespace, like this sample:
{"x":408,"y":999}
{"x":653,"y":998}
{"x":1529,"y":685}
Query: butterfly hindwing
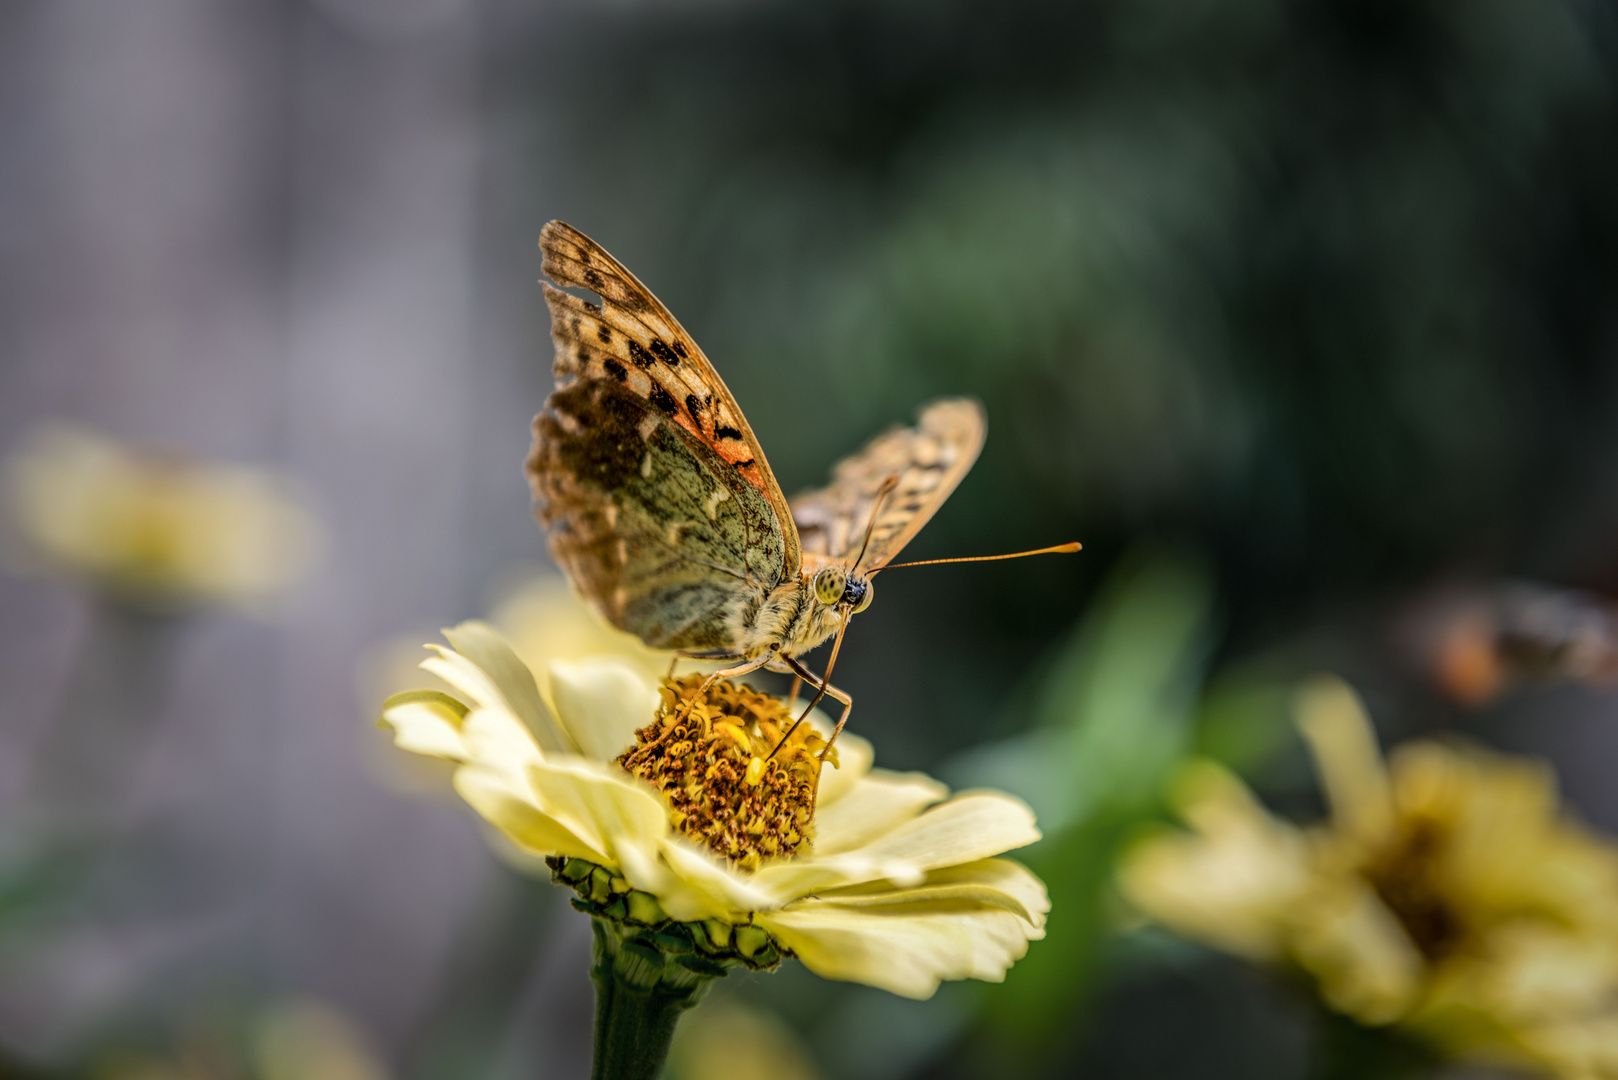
{"x":657,"y":530}
{"x":928,"y":460}
{"x":632,"y":340}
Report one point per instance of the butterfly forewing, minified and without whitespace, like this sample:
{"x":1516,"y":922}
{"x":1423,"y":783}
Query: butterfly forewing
{"x":927,"y":460}
{"x":657,"y":531}
{"x":659,"y":503}
{"x":630,"y":339}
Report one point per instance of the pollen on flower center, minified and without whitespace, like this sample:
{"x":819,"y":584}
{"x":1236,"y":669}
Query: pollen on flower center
{"x":714,"y":766}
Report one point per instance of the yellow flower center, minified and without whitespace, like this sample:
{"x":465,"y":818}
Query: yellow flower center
{"x":712,"y":758}
{"x":1406,"y":876}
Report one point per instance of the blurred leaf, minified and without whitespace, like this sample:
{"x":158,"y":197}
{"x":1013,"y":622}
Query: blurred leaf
{"x":1245,"y":718}
{"x":41,"y":882}
{"x":1115,"y":719}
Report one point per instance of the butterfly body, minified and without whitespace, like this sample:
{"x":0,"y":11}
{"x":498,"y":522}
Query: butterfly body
{"x":660,"y":505}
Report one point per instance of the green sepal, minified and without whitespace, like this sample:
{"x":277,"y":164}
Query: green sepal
{"x":639,"y":916}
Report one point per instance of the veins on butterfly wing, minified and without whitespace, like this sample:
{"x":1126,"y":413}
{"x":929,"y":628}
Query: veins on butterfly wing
{"x":688,"y":557}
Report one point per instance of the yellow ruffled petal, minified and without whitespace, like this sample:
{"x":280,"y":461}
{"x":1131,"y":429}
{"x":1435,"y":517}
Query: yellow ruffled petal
{"x":875,"y":804}
{"x":1577,"y":1047}
{"x":1234,"y":882}
{"x":969,"y":827}
{"x":545,"y":620}
{"x":505,"y":801}
{"x":426,"y":722}
{"x":1365,"y":963}
{"x":604,"y":808}
{"x":998,"y":883}
{"x":601,"y":702}
{"x":904,"y":949}
{"x":854,"y":758}
{"x":498,"y":740}
{"x":1334,"y":723}
{"x":485,"y":668}
{"x":702,"y":886}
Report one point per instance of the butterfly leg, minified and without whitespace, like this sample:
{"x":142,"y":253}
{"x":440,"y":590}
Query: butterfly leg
{"x":820,"y":685}
{"x":706,"y":656}
{"x":743,"y":668}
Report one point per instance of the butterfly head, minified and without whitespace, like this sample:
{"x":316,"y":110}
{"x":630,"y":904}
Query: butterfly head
{"x":837,"y":587}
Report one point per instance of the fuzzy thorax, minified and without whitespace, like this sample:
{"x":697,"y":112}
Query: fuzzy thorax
{"x":715,"y":767}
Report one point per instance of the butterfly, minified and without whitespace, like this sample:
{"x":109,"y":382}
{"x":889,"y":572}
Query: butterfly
{"x":662,"y":510}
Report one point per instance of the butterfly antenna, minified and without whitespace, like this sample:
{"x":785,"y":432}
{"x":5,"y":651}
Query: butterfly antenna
{"x":825,"y":680}
{"x":882,"y":494}
{"x":1058,"y":549}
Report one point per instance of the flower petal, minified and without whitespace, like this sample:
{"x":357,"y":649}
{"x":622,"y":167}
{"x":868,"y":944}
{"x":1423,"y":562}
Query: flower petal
{"x":906,"y":949}
{"x":506,"y":803}
{"x":704,"y":886}
{"x":1354,"y":945}
{"x":1339,"y":734}
{"x":604,"y":808}
{"x":545,"y":620}
{"x":999,"y":883}
{"x":426,"y":722}
{"x":875,"y":804}
{"x":1235,"y":882}
{"x":486,"y":669}
{"x":969,"y":827}
{"x":854,"y":758}
{"x":498,"y":740}
{"x":601,"y":701}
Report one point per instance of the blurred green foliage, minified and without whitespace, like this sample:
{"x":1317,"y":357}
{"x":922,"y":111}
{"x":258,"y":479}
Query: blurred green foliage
{"x":1115,"y":719}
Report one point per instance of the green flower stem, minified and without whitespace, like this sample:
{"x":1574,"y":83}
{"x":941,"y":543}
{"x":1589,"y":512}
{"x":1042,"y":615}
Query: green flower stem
{"x":641,"y":992}
{"x":649,"y":968}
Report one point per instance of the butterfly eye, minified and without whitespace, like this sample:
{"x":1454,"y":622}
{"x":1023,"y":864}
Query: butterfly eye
{"x":829,"y":585}
{"x":867,"y":591}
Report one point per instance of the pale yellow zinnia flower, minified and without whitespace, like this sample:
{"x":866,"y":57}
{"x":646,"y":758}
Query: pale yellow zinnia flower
{"x":1447,"y":893}
{"x":157,"y":530}
{"x":891,"y":882}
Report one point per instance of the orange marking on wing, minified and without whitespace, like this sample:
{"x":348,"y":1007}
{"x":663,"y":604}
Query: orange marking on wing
{"x":632,"y":339}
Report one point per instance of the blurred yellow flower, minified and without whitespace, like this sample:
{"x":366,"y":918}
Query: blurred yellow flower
{"x":154,"y":530}
{"x":898,"y":888}
{"x":289,"y":1040}
{"x":307,"y":1040}
{"x":1446,"y":893}
{"x":730,"y":1040}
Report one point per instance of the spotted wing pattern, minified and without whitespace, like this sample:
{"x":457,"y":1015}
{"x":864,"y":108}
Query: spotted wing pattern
{"x":658,"y":532}
{"x":632,"y":340}
{"x":928,"y":460}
